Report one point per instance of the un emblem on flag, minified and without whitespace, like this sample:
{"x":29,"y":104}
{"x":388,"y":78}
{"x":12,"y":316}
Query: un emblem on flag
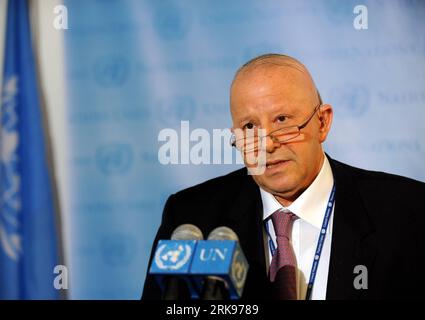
{"x":10,"y":201}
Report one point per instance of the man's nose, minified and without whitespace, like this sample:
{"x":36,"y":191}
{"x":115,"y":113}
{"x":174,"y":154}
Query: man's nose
{"x":271,"y":143}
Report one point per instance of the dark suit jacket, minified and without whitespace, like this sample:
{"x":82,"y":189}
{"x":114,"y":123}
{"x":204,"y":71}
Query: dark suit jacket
{"x":379,"y":222}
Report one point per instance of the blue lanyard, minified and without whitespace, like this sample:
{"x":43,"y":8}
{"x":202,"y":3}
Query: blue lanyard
{"x":320,"y":242}
{"x":271,"y":243}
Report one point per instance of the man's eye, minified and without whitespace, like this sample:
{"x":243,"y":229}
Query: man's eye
{"x":281,"y":118}
{"x":249,"y":126}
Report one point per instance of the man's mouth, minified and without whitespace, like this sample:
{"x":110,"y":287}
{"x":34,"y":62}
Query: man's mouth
{"x":275,"y":163}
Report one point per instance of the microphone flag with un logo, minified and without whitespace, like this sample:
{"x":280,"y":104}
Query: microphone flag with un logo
{"x":222,"y":259}
{"x":173,"y":258}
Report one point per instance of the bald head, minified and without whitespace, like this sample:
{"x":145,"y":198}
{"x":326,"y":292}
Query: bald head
{"x":283,"y":64}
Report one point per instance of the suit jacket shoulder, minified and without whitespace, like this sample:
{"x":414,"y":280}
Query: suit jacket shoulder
{"x":385,"y":194}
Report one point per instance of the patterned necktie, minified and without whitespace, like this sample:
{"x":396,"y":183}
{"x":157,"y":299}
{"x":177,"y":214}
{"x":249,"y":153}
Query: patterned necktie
{"x":282,"y":271}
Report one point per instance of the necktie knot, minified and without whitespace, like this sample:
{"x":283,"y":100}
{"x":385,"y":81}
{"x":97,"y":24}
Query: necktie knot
{"x":283,"y":221}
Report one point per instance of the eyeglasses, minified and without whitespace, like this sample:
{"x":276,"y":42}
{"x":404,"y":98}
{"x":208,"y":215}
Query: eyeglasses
{"x":251,"y":139}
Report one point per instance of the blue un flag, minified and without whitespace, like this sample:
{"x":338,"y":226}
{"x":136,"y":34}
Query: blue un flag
{"x":28,"y":235}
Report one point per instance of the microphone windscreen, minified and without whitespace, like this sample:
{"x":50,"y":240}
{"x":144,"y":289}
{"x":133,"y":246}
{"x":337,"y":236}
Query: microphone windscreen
{"x":187,"y":232}
{"x":223,"y":233}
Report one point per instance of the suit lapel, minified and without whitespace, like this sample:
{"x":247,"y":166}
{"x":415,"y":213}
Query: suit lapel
{"x":353,"y":236}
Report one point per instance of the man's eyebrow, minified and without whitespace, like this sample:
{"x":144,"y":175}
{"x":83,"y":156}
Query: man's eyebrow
{"x":244,"y":119}
{"x":279,"y":109}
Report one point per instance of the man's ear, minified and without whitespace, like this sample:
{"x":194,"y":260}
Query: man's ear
{"x":325,"y":118}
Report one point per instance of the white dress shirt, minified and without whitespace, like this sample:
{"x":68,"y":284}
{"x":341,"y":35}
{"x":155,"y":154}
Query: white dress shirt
{"x":310,"y":207}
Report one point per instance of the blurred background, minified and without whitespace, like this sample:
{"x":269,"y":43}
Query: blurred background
{"x":111,"y":74}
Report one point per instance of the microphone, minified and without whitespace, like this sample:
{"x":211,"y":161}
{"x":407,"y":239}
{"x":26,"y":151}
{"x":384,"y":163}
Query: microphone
{"x":172,"y":260}
{"x":220,"y":266}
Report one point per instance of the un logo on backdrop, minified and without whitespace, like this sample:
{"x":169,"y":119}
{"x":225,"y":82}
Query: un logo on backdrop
{"x":111,"y":71}
{"x":350,"y":100}
{"x":175,"y":109}
{"x":118,"y":249}
{"x":169,"y":22}
{"x":115,"y":158}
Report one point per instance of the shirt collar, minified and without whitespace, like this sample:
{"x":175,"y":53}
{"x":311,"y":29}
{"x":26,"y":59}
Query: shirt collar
{"x":310,"y":206}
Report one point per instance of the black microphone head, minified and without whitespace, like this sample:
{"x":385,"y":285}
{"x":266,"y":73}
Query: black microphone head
{"x":223,"y":233}
{"x":187,"y":232}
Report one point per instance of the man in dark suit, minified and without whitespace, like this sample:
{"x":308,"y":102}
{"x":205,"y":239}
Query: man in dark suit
{"x":374,"y":243}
